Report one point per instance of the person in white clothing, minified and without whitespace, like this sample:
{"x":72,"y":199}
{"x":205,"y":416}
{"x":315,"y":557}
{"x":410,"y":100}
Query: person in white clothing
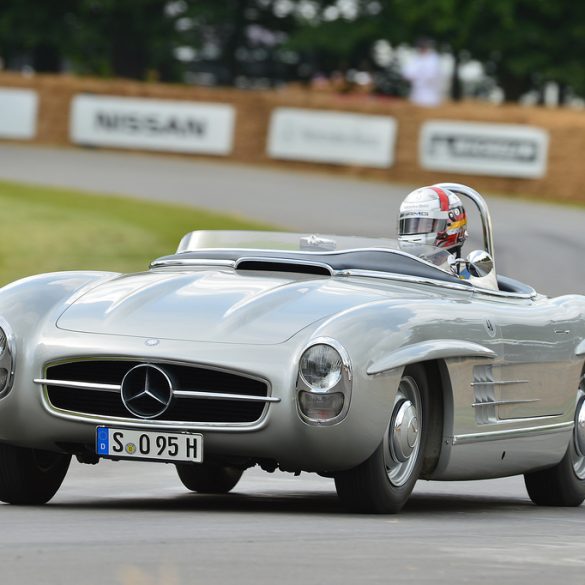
{"x":423,"y":71}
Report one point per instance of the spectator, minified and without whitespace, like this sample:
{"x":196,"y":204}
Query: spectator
{"x":423,"y":72}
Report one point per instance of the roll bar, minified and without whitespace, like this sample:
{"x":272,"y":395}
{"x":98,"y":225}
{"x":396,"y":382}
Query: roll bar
{"x":486,"y":220}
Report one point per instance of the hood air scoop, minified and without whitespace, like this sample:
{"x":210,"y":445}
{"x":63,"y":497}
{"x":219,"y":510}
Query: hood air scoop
{"x":284,"y":265}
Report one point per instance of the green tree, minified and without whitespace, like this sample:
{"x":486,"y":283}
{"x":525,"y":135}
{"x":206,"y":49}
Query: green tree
{"x":125,"y":38}
{"x":523,"y":43}
{"x":331,"y":39}
{"x":237,"y":29}
{"x":36,"y":29}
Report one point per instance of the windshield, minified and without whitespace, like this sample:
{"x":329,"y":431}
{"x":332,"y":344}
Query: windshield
{"x":250,"y":240}
{"x":306,"y":243}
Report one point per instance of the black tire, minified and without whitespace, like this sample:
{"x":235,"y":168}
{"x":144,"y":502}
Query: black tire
{"x":209,"y":478}
{"x":382,"y":483}
{"x":30,"y":477}
{"x":563,"y":484}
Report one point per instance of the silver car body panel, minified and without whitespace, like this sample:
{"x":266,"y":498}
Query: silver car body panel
{"x":510,"y":361}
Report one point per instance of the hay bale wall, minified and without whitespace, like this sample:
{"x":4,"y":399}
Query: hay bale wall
{"x":565,"y":178}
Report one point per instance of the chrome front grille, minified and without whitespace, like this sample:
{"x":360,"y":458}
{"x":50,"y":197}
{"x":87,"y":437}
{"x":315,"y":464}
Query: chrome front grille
{"x":199,"y":395}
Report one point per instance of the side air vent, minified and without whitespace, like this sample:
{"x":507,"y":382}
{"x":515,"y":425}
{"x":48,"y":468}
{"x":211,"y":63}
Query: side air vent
{"x":277,"y":265}
{"x":484,"y":390}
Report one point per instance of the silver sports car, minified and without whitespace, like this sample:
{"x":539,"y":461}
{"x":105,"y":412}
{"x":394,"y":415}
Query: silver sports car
{"x":359,"y":359}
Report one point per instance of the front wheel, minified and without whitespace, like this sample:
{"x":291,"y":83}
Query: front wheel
{"x":30,"y":476}
{"x":209,"y":478}
{"x":383,"y":482}
{"x":563,"y":484}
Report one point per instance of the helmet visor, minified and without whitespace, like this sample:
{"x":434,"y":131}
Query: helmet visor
{"x":421,"y":225}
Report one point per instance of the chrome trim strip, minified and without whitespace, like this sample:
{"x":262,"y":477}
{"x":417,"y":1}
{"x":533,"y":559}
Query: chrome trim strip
{"x":223,"y":396}
{"x":429,"y":350}
{"x":192,"y":262}
{"x":79,"y":385}
{"x":499,"y":382}
{"x":509,"y":295}
{"x":514,"y":433}
{"x":504,"y":402}
{"x":179,"y":393}
{"x":403,"y":278}
{"x":580,"y":349}
{"x":430,"y":281}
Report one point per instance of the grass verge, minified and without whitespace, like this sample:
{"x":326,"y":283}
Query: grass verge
{"x":48,"y":229}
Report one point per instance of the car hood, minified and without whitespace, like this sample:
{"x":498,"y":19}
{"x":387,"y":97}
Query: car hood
{"x":212,"y":305}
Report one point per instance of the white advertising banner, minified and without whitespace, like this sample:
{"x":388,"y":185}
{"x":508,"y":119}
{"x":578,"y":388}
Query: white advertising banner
{"x":503,"y":150}
{"x":18,"y":113}
{"x":332,"y":137}
{"x":152,"y":124}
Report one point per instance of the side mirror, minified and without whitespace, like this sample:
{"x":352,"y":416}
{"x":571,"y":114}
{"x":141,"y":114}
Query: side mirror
{"x":479,"y":263}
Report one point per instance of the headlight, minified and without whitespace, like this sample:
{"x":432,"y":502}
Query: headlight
{"x":6,"y":358}
{"x":321,"y":367}
{"x":324,"y":382}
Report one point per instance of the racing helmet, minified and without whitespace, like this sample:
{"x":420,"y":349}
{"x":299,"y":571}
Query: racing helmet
{"x":432,"y":216}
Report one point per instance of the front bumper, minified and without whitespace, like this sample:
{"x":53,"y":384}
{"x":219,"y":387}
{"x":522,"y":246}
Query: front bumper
{"x":28,"y":419}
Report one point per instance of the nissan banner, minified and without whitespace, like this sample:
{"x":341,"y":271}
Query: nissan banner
{"x":152,"y":124}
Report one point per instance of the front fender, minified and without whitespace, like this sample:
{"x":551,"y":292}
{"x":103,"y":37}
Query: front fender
{"x":26,"y":302}
{"x":429,"y":350}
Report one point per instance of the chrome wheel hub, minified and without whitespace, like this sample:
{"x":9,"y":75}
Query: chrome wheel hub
{"x":404,"y":432}
{"x":402,"y":441}
{"x":579,"y":434}
{"x":580,"y":429}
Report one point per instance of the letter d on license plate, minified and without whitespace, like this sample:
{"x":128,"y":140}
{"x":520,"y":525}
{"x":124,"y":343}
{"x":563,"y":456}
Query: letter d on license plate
{"x":150,"y":445}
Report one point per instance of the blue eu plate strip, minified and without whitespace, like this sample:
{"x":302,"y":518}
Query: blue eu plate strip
{"x":102,"y":441}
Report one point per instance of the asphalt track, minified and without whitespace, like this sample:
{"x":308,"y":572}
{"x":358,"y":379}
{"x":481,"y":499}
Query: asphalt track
{"x":134,"y":524}
{"x":540,"y":244}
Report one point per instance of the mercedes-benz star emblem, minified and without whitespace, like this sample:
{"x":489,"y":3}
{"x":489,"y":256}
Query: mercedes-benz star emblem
{"x":147,"y":391}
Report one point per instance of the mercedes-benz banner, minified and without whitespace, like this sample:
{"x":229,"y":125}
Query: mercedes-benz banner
{"x":332,"y":137}
{"x":18,"y":113}
{"x":152,"y":124}
{"x":503,"y":150}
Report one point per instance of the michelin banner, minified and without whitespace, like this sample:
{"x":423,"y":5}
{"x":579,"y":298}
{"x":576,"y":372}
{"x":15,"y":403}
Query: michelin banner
{"x":151,"y":124}
{"x":502,"y":150}
{"x":332,"y":137}
{"x":18,"y":113}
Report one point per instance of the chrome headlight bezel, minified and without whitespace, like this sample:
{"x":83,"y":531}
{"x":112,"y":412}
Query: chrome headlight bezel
{"x":342,"y":384}
{"x":7,"y":357}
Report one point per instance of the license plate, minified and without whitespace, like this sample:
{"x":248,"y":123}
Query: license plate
{"x":149,"y":445}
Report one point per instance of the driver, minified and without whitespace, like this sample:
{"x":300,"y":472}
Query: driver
{"x":435,"y":217}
